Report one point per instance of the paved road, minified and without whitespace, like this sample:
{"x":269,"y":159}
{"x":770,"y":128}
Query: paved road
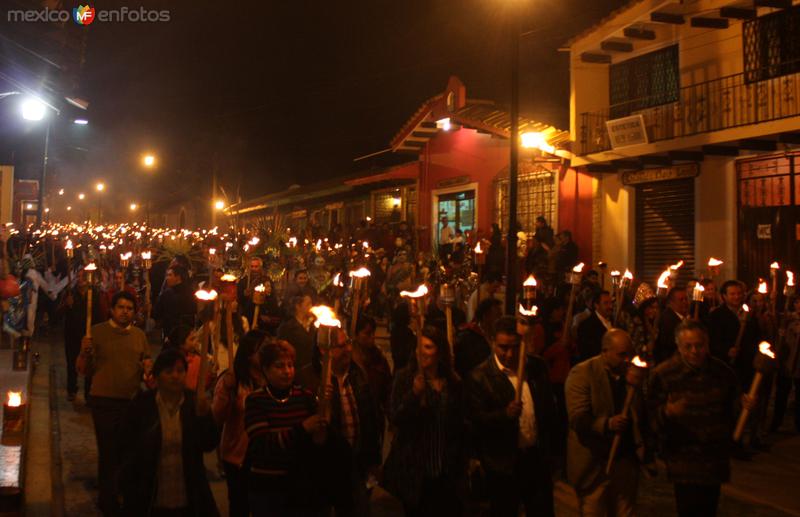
{"x":765,"y":487}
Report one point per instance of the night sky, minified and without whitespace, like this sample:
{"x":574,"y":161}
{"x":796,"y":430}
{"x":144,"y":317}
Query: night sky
{"x":273,"y":93}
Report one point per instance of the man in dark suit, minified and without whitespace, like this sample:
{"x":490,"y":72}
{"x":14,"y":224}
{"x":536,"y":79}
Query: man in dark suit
{"x":723,"y":327}
{"x":512,"y":438}
{"x":592,"y":329}
{"x":677,"y":310}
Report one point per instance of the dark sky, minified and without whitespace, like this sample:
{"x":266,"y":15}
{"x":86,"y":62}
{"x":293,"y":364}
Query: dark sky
{"x":279,"y":92}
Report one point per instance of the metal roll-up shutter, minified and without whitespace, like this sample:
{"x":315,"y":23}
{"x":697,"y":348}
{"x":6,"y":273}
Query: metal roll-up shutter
{"x":665,"y":229}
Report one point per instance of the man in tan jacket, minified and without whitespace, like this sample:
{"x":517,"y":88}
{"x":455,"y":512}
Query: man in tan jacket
{"x":595,"y":393}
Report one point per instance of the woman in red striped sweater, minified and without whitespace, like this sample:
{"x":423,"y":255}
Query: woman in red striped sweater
{"x":284,"y":432}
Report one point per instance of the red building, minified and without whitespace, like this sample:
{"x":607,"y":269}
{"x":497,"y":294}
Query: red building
{"x":458,"y":155}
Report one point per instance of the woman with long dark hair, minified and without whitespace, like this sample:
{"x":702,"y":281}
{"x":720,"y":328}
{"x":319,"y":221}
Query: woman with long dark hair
{"x":232,"y":389}
{"x":426,"y":466}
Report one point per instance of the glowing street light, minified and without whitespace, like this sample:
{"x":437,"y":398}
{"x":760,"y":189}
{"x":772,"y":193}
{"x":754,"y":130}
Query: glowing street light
{"x":33,"y":109}
{"x":133,"y":207}
{"x":81,"y":196}
{"x":219,"y":204}
{"x":149,"y":161}
{"x":69,"y":209}
{"x":100,"y":187}
{"x":61,"y":192}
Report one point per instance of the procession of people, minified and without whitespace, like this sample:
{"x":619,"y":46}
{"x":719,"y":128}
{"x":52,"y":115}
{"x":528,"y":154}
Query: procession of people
{"x":262,"y":343}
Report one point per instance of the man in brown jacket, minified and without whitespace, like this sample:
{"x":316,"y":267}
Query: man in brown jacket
{"x":595,"y":393}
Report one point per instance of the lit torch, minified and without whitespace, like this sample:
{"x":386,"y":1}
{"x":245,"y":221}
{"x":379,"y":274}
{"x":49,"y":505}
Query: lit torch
{"x":259,"y":297}
{"x":447,"y":295}
{"x":326,"y":322}
{"x":529,"y":291}
{"x":662,"y":286}
{"x":713,"y":267}
{"x":418,"y":297}
{"x":359,"y":283}
{"x":626,"y":408}
{"x":528,"y":315}
{"x":624,"y":283}
{"x":90,"y":269}
{"x":574,"y":280}
{"x":763,"y":363}
{"x":773,"y":274}
{"x":205,"y":296}
{"x":743,"y":314}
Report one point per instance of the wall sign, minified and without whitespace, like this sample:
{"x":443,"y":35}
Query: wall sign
{"x":764,"y":231}
{"x":626,"y":131}
{"x":452,"y":182}
{"x":689,"y":170}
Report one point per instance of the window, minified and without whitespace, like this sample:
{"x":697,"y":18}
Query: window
{"x":536,"y":196}
{"x":643,"y":82}
{"x":771,"y":46}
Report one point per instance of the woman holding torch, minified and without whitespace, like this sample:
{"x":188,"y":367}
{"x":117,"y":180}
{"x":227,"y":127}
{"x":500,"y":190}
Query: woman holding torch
{"x":427,"y":462}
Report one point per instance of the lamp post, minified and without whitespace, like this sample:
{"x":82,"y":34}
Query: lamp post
{"x":513,"y":172}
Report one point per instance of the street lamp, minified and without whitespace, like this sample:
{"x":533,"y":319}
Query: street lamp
{"x":81,"y":196}
{"x":61,"y":192}
{"x":219,"y":205}
{"x":33,"y":109}
{"x":133,"y":207}
{"x":149,"y":161}
{"x":100,"y":188}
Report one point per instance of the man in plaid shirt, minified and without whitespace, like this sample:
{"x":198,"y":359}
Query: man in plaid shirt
{"x":353,"y":414}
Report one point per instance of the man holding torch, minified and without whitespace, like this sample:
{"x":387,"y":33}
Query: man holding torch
{"x":513,"y":425}
{"x":596,"y":390}
{"x":692,"y":402}
{"x":116,"y":355}
{"x":734,"y":335}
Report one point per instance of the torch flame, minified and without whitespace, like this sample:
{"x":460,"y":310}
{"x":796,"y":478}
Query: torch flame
{"x":212,"y":251}
{"x":662,"y":280}
{"x":260,"y":288}
{"x":325,"y":316}
{"x":534,"y":310}
{"x":762,"y":287}
{"x":639,"y":363}
{"x":421,"y":291}
{"x":765,"y":348}
{"x":68,"y":246}
{"x":578,"y":268}
{"x":774,"y":265}
{"x":125,"y":256}
{"x":14,"y":399}
{"x":699,"y":288}
{"x":712,"y":262}
{"x":530,"y":282}
{"x":615,"y":273}
{"x":206,"y":296}
{"x":227,"y":277}
{"x":365,"y":244}
{"x":337,"y":280}
{"x":478,"y":249}
{"x":146,"y":255}
{"x":360,"y":273}
{"x":677,"y":266}
{"x":254,"y":241}
{"x":789,"y":279}
{"x":745,"y":308}
{"x":90,"y":267}
{"x":628,"y":275}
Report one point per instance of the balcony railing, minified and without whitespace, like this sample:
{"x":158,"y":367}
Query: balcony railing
{"x":723,"y":103}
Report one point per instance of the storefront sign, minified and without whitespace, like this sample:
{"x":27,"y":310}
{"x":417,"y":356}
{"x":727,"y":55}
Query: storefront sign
{"x":334,"y":206}
{"x":452,"y":182}
{"x":764,"y":231}
{"x":689,"y":170}
{"x":626,"y":131}
{"x":298,"y":214}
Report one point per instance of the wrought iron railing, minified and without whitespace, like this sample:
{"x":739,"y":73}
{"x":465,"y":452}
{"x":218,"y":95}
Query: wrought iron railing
{"x":714,"y":105}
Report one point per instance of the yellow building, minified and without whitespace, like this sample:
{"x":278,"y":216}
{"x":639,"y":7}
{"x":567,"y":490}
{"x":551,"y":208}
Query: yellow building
{"x":688,"y":114}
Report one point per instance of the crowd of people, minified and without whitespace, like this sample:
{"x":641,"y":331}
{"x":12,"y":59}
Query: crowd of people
{"x":465,"y":410}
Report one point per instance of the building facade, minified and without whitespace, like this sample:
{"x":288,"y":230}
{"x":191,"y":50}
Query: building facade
{"x":687,"y":114}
